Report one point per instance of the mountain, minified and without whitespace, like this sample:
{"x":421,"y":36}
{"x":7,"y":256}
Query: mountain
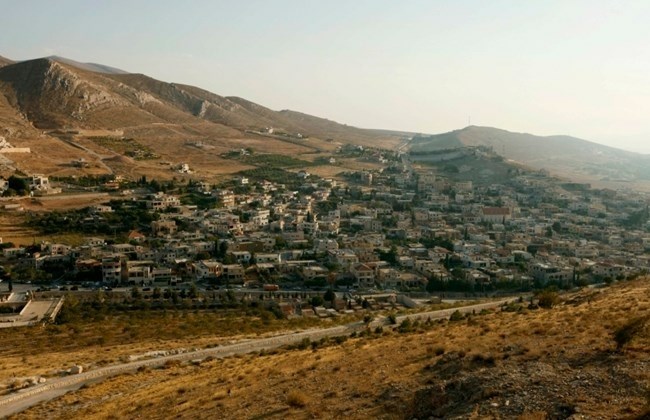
{"x":59,"y":104}
{"x":5,"y":61}
{"x":561,"y":155}
{"x":97,"y":68}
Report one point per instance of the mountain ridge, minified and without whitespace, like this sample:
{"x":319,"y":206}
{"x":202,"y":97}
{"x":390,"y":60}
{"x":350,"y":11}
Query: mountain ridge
{"x":43,"y":96}
{"x":564,"y":155}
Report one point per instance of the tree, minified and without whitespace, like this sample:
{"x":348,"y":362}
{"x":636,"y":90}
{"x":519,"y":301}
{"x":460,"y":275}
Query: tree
{"x":221,"y":249}
{"x":389,"y":256}
{"x":316,"y":301}
{"x":193,"y":291}
{"x":329,"y":295}
{"x":17,"y":184}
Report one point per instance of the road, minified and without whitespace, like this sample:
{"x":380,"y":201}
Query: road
{"x":19,"y":401}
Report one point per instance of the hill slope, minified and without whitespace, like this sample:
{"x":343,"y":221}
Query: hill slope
{"x":56,"y":101}
{"x":97,"y":68}
{"x":562,"y":155}
{"x":543,"y":363}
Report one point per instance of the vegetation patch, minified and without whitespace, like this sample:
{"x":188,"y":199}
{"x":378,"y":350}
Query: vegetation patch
{"x":126,"y":146}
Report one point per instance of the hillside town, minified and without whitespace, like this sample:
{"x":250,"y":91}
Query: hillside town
{"x":399,"y":228}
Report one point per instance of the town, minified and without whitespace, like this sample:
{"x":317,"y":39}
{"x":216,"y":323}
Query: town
{"x":406,"y":228}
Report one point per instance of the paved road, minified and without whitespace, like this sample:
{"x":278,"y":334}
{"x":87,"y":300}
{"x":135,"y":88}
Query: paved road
{"x":29,"y":397}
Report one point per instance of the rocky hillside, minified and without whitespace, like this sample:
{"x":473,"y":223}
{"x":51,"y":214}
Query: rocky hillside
{"x":57,"y":93}
{"x":586,"y":357}
{"x":59,"y":108}
{"x":562,"y":155}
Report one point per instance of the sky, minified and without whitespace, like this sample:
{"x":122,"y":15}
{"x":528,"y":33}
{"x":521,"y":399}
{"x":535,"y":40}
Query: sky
{"x":579,"y":68}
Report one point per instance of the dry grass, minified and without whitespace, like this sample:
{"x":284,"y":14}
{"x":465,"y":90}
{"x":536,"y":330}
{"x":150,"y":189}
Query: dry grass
{"x":378,"y":376}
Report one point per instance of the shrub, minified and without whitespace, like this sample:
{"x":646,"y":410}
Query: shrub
{"x":456,"y":316}
{"x":392,"y":318}
{"x":303,"y":344}
{"x":406,"y":326}
{"x":624,"y":334}
{"x":548,"y":298}
{"x":297,"y":399}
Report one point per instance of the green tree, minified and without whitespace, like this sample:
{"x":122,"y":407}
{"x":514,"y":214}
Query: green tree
{"x":317,"y":301}
{"x":193,"y":291}
{"x":20,"y":185}
{"x":329,"y":295}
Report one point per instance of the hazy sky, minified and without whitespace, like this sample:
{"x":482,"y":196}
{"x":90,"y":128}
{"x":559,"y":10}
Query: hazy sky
{"x":545,"y":67}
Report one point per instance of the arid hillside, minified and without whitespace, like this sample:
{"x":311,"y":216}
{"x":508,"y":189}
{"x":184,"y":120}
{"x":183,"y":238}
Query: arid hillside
{"x":586,"y":357}
{"x":566,"y":156}
{"x":60,"y":109}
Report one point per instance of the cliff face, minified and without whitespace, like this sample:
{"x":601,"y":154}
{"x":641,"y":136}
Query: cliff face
{"x":53,"y":95}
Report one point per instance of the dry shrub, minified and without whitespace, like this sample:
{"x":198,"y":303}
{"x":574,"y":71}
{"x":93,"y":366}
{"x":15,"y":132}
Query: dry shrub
{"x":626,"y":333}
{"x":297,"y":399}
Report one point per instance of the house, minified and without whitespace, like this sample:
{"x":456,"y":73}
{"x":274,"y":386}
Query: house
{"x":242,"y":257}
{"x":207,"y":268}
{"x":364,"y":275}
{"x":112,"y":269}
{"x":138,"y":273}
{"x":136,"y":236}
{"x":163,"y":227}
{"x":264,"y":257}
{"x":389,"y":278}
{"x":495,"y":214}
{"x":225,"y":197}
{"x":343,"y":257}
{"x":314,"y":272}
{"x":39,"y":183}
{"x":161,"y":201}
{"x":607,"y":270}
{"x":233,"y":273}
{"x":546,"y":272}
{"x":14,"y":252}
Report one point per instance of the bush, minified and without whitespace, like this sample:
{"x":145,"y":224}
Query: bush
{"x":392,"y":318}
{"x":548,"y":299}
{"x":317,"y":301}
{"x":624,"y":334}
{"x":297,"y":399}
{"x":406,"y":326}
{"x":456,"y":316}
{"x":303,"y":344}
